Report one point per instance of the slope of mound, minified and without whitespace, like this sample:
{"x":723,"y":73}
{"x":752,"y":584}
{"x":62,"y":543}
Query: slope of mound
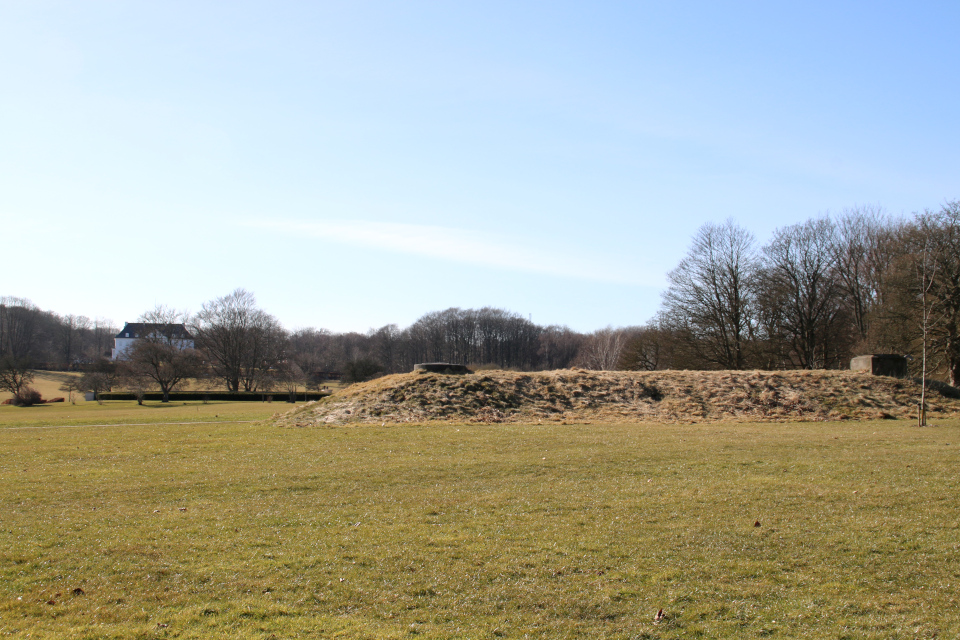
{"x":624,"y":396}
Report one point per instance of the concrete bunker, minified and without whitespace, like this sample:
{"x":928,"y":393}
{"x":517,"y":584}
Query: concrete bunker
{"x":881,"y":364}
{"x":442,"y":367}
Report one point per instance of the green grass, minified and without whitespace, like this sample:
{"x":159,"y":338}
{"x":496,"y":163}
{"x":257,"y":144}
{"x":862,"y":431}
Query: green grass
{"x":481,"y":531}
{"x":119,"y":412}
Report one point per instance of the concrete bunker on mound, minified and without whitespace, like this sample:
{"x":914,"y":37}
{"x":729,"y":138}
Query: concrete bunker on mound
{"x":441,"y":367}
{"x":881,"y":364}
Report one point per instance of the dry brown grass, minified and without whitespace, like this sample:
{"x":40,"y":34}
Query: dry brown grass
{"x":624,"y":396}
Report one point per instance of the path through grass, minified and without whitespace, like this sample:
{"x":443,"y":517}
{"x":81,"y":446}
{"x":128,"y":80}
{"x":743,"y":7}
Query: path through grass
{"x":477,"y":531}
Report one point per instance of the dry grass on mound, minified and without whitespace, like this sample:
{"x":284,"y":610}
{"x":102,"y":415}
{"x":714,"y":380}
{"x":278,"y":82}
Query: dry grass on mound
{"x":624,"y":396}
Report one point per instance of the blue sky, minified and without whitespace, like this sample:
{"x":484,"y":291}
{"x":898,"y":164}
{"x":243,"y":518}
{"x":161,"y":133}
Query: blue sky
{"x":361,"y":163}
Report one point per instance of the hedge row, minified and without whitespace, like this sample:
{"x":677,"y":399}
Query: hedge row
{"x":241,"y":396}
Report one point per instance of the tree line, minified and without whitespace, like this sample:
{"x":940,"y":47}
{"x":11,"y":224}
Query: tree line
{"x":242,"y":347}
{"x":247,"y":348}
{"x":814,"y":295}
{"x":51,"y":340}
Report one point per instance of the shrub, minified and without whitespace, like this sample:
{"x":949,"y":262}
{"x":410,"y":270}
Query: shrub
{"x":27,"y":397}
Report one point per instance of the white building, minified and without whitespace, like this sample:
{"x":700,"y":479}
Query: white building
{"x":175,"y":334}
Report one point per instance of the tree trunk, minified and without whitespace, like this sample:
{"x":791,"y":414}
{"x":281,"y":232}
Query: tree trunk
{"x":953,"y":364}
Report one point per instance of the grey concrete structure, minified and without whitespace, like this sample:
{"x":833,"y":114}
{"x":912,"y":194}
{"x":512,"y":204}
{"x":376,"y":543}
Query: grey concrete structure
{"x":441,"y":367}
{"x":881,"y":364}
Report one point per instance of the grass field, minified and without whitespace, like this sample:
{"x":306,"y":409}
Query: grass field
{"x":48,"y":383}
{"x":123,"y":412}
{"x":481,"y":531}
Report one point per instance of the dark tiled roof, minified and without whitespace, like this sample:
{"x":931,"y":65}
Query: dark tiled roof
{"x":140,"y":329}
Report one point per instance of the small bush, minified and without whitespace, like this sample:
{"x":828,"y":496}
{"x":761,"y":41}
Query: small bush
{"x":27,"y":397}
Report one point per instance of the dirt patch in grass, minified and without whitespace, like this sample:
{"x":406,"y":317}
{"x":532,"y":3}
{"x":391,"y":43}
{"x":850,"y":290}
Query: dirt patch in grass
{"x":625,"y":396}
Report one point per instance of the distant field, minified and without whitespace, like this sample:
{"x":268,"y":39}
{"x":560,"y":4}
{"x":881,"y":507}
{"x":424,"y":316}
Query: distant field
{"x":48,"y":384}
{"x":803,"y":530}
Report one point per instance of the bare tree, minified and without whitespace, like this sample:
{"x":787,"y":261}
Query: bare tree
{"x":926,"y":275}
{"x":71,"y":385}
{"x":15,"y":374}
{"x":602,"y":349}
{"x":162,"y":353}
{"x":47,"y":337}
{"x":711,"y":294}
{"x":97,"y":382}
{"x":558,"y":347}
{"x":265,"y":349}
{"x":651,"y":347}
{"x":313,"y":351}
{"x":137,"y":380}
{"x":486,"y":336}
{"x":802,"y":295}
{"x":69,"y":337}
{"x":18,"y":327}
{"x":385,"y":347}
{"x":291,"y":376}
{"x":102,"y":332}
{"x":867,"y":246}
{"x":240,"y":339}
{"x":361,"y":370}
{"x":939,"y":236}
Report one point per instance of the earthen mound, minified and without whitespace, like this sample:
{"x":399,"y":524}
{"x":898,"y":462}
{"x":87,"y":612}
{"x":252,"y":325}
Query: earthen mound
{"x":624,"y":396}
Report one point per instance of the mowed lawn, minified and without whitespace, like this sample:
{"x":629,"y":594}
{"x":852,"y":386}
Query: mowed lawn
{"x":124,"y":412}
{"x":481,"y":531}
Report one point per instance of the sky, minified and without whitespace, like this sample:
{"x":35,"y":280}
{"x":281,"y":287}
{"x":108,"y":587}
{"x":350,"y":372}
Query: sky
{"x":356,"y":164}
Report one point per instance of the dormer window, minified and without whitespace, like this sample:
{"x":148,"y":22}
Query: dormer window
{"x":126,"y":335}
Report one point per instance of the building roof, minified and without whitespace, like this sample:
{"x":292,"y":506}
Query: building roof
{"x":143,"y":329}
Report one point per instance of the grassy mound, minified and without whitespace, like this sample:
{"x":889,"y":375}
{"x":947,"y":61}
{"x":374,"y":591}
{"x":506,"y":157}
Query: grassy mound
{"x":625,"y":396}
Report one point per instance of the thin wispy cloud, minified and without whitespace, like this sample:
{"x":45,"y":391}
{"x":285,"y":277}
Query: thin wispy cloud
{"x":457,"y":245}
